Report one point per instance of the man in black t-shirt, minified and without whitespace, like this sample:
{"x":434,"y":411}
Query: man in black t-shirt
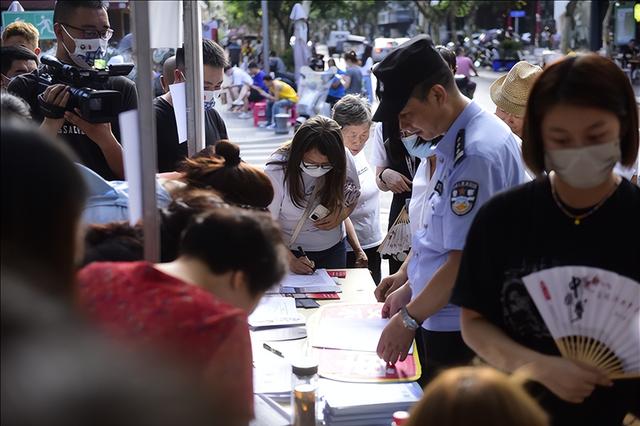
{"x":170,"y":151}
{"x":82,"y":32}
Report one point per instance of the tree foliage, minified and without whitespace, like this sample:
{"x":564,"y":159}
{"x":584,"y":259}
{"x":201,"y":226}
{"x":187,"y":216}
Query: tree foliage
{"x":322,"y":14}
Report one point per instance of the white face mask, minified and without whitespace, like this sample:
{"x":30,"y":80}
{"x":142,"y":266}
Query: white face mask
{"x":420,"y":151}
{"x":584,"y":167}
{"x":210,"y":97}
{"x":314,"y":172}
{"x":87,"y":50}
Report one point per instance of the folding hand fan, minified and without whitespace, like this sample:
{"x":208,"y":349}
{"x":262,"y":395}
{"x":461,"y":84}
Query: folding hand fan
{"x":398,"y":237}
{"x":593,"y":315}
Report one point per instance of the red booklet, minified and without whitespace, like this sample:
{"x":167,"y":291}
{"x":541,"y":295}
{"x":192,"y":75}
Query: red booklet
{"x":337,"y":274}
{"x":323,"y":296}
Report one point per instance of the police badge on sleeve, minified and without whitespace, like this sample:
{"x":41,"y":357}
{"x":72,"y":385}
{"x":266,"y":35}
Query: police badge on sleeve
{"x":463,"y":197}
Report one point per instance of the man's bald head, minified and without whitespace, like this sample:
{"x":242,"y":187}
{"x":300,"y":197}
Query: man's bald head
{"x":167,"y":76}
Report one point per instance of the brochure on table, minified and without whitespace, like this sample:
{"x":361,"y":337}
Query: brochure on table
{"x":345,"y":337}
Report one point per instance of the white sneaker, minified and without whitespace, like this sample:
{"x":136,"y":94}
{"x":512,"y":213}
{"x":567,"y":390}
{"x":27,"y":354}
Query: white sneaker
{"x":245,"y":115}
{"x":264,"y":125}
{"x":237,"y":102}
{"x":271,"y":126}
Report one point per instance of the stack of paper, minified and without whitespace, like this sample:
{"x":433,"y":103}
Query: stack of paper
{"x":276,"y":311}
{"x":318,"y":282}
{"x":357,"y":404}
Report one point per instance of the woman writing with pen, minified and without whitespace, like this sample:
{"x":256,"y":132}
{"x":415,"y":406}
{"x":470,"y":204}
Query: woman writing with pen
{"x":316,"y":188}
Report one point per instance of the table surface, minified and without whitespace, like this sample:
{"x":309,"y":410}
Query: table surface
{"x":357,"y":287}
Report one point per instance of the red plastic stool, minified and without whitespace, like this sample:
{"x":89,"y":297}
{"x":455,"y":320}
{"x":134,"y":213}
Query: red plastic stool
{"x":259,"y":112}
{"x":294,"y":115}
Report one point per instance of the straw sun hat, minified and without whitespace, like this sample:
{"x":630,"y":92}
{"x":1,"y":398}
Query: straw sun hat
{"x":511,"y":91}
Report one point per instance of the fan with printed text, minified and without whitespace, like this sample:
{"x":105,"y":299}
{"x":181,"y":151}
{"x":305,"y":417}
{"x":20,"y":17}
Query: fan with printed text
{"x":593,"y":315}
{"x":398,"y":237}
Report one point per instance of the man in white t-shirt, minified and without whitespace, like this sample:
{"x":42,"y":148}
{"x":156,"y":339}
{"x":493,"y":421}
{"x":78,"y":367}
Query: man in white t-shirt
{"x":239,"y":85}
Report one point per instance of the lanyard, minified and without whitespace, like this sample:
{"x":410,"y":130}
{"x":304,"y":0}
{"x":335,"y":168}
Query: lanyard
{"x":307,"y":211}
{"x":411,"y":165}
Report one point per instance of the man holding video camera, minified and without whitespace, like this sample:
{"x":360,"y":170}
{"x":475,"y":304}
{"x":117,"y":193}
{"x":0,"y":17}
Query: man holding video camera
{"x":82,"y":32}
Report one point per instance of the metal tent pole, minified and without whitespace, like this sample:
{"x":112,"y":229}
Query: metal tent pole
{"x":147,"y":131}
{"x":193,"y":75}
{"x":265,"y":36}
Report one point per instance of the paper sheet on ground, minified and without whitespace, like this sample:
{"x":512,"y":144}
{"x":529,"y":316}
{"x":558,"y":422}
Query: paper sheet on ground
{"x":276,"y":311}
{"x":317,"y":279}
{"x":179,"y":100}
{"x":353,"y":334}
{"x":130,"y":138}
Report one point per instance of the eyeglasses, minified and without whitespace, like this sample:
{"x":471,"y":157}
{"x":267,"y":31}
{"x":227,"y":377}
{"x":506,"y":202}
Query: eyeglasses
{"x":311,"y":166}
{"x":93,"y":34}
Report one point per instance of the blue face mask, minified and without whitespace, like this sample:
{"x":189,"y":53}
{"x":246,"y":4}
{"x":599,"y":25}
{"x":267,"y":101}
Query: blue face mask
{"x":422,"y":150}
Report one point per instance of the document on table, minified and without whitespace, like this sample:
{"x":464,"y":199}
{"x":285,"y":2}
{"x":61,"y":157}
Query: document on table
{"x":320,"y":278}
{"x":276,"y":311}
{"x":352,"y":334}
{"x":367,"y":398}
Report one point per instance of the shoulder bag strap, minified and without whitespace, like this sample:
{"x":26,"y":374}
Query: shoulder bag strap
{"x":307,"y":212}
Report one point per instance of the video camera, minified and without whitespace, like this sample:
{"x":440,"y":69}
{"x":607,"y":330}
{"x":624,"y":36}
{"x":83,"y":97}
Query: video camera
{"x":96,"y":106}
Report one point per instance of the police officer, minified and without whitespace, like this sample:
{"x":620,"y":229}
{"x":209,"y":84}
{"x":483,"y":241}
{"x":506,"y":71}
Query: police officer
{"x":476,"y":157}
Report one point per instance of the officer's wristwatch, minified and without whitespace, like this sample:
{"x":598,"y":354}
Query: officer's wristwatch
{"x":408,"y":321}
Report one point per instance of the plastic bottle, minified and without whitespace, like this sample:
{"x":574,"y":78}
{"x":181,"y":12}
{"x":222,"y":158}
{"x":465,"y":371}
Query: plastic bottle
{"x":304,"y":398}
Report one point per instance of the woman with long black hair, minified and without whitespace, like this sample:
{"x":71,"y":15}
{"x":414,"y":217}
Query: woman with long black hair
{"x":316,"y":188}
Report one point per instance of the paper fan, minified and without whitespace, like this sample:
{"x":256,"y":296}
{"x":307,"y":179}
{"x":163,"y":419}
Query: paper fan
{"x":398,"y":238}
{"x":593,"y":315}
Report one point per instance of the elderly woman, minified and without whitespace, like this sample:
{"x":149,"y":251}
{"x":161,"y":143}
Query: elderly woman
{"x":352,"y":113}
{"x":511,"y":92}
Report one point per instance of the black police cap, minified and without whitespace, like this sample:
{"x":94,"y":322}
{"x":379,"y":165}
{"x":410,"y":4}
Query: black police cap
{"x":401,"y":71}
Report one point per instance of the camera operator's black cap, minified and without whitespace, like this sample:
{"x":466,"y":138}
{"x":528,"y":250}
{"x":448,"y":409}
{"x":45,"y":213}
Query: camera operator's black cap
{"x":401,"y":71}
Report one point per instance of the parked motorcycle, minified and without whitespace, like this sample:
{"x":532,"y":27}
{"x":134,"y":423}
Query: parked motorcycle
{"x":312,"y":93}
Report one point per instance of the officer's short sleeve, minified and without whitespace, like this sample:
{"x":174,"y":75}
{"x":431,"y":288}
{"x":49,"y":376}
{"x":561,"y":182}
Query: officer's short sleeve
{"x":471,"y":184}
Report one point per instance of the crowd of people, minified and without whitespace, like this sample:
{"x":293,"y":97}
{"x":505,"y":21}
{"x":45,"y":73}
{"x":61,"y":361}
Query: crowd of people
{"x":93,"y":331}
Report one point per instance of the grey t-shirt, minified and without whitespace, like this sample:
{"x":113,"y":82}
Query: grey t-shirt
{"x":355,"y":75}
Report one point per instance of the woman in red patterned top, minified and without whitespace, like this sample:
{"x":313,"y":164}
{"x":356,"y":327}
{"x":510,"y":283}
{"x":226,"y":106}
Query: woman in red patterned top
{"x":196,"y":307}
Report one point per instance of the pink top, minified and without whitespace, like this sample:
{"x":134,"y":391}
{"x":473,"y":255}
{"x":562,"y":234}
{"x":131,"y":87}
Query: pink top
{"x":464,"y":65}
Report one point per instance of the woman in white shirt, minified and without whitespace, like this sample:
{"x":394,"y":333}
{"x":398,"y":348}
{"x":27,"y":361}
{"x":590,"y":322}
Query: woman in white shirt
{"x":353,"y":114}
{"x":316,"y":188}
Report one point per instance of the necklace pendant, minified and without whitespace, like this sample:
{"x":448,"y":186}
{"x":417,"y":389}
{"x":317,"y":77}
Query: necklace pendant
{"x":576,"y":222}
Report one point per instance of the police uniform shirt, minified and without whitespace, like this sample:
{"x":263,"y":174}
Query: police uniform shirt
{"x":287,"y":214}
{"x":477,"y":157}
{"x":419,"y":197}
{"x":366,"y":215}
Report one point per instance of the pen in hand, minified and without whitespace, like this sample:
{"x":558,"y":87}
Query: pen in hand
{"x":306,"y":258}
